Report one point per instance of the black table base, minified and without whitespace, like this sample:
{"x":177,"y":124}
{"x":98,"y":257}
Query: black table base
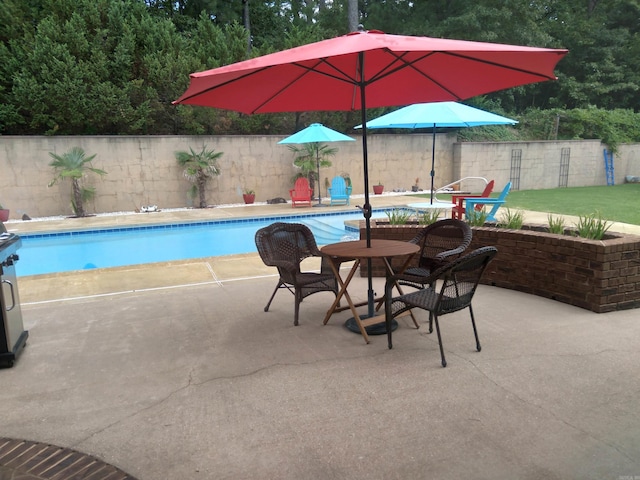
{"x":376,"y":329}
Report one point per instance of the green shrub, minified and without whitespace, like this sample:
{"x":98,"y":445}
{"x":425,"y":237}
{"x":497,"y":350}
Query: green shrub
{"x":556,"y":225}
{"x":512,"y":219}
{"x":398,"y":216}
{"x":428,"y":217}
{"x":592,"y":226}
{"x":477,"y":218}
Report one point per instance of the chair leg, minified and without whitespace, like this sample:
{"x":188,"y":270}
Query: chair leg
{"x":388,"y":316}
{"x":475,"y":330}
{"x":444,"y":362}
{"x":433,"y":285}
{"x":280,"y":283}
{"x":298,"y":296}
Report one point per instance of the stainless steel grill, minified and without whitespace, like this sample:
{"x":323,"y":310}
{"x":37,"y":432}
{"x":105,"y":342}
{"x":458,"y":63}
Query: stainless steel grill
{"x":13,"y":336}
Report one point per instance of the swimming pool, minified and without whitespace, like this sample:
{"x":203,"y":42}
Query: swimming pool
{"x":114,"y":247}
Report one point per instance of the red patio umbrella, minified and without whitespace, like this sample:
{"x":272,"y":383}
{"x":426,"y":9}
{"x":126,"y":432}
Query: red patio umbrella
{"x":367,"y":69}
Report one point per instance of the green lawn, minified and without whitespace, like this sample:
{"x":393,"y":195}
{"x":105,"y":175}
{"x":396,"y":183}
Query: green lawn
{"x":618,"y":203}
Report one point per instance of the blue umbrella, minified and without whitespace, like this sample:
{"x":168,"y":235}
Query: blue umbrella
{"x":317,"y":133}
{"x":434,"y":115}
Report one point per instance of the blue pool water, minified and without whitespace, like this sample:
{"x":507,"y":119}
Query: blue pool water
{"x":113,"y":247}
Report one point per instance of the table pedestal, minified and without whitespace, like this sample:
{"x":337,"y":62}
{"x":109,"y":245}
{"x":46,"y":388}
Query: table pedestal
{"x":376,"y":329}
{"x":358,"y":250}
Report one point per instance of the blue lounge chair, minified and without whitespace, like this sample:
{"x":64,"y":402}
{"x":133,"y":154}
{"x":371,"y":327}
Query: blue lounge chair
{"x":495,"y":202}
{"x":339,"y":191}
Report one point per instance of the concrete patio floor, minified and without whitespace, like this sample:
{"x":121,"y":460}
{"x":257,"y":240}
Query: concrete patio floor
{"x":174,"y":371}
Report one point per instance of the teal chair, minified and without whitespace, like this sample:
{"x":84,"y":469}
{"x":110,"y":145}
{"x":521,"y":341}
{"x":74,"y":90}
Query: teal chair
{"x":495,"y":202}
{"x":339,"y":192}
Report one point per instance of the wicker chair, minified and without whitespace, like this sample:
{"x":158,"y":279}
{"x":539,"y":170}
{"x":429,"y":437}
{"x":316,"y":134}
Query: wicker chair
{"x":458,"y":280}
{"x":284,"y":246}
{"x":441,"y":242}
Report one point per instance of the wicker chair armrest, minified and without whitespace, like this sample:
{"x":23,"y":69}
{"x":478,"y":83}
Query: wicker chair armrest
{"x":285,"y":264}
{"x":411,"y":279}
{"x":315,"y":251}
{"x":449,"y":253}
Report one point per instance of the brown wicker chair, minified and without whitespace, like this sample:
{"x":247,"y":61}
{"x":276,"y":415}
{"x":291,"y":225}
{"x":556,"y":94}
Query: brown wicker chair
{"x":459,"y":280}
{"x":284,"y":246}
{"x":441,"y":242}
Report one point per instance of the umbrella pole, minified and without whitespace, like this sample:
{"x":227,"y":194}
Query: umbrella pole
{"x":433,"y":161}
{"x":366,"y":210}
{"x":319,"y":204}
{"x":318,"y":167}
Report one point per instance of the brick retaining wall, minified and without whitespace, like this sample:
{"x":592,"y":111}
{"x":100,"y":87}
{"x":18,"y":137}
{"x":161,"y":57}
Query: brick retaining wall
{"x":598,"y":275}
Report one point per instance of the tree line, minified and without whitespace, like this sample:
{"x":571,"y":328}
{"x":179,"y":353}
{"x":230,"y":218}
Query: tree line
{"x":83,"y":67}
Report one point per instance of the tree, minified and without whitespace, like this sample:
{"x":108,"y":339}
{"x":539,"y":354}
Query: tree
{"x":75,"y":165}
{"x":83,"y":67}
{"x":601,"y":37}
{"x":198,"y":169}
{"x":352,"y":15}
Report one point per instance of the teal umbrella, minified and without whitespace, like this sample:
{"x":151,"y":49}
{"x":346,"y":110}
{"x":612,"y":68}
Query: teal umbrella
{"x":434,"y":115}
{"x":317,"y":133}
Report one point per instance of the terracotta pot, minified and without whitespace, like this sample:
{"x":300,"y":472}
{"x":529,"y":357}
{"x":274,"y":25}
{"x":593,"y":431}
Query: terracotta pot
{"x":378,"y":189}
{"x":4,"y":215}
{"x":249,"y":198}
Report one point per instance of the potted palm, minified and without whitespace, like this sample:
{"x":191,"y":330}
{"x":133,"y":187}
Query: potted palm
{"x":75,"y":165}
{"x":310,"y":158}
{"x":198,"y":169}
{"x":249,"y":196}
{"x":347,"y":181}
{"x":4,"y":214}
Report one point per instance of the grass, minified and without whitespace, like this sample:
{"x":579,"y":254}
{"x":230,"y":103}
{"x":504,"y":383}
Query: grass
{"x":616,"y":203}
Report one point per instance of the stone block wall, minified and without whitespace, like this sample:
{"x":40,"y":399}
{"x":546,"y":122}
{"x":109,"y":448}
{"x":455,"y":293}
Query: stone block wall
{"x":142,"y":170}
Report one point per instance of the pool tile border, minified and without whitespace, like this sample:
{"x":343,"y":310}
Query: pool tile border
{"x":195,"y":223}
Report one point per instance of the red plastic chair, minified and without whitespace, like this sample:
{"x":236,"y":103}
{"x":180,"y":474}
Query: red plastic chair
{"x":301,"y":193}
{"x":458,"y":201}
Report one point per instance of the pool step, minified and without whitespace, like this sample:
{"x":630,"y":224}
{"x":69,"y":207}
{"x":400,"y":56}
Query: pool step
{"x":326,"y":232}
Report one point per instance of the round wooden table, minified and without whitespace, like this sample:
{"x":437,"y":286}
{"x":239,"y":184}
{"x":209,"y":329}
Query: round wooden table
{"x":358,"y":250}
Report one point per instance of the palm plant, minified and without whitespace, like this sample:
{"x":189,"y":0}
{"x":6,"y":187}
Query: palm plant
{"x":198,"y":169}
{"x":309,"y":158}
{"x":75,"y":165}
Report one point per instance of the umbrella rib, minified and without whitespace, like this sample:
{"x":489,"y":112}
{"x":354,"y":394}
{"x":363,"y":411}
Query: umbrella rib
{"x":496,"y":64}
{"x":223,"y":84}
{"x":404,"y":64}
{"x":306,"y":70}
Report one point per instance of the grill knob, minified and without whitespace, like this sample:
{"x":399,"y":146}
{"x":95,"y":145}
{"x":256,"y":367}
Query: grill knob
{"x":11,"y":259}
